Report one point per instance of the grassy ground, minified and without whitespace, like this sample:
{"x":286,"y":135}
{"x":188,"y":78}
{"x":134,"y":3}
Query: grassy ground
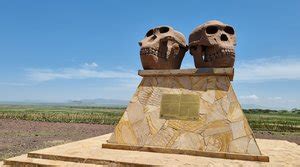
{"x":46,"y":126}
{"x":259,"y":120}
{"x":97,"y":115}
{"x":273,"y":121}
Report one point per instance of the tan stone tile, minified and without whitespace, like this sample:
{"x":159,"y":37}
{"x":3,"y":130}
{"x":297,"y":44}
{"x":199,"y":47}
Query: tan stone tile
{"x":155,"y":97}
{"x":173,"y":139}
{"x":124,"y":116}
{"x":209,"y":96}
{"x":142,"y":131}
{"x":218,"y":142}
{"x":199,"y":84}
{"x":205,"y":107}
{"x":150,"y":108}
{"x":235,"y":112}
{"x":220,"y":94}
{"x":186,"y":81}
{"x":216,"y":127}
{"x":187,"y":91}
{"x":112,"y":138}
{"x":124,"y":133}
{"x":189,"y":141}
{"x":181,"y":82}
{"x":253,"y":147}
{"x":135,"y":112}
{"x":231,"y":95}
{"x":163,"y":81}
{"x":149,"y":95}
{"x":134,"y":98}
{"x":164,"y":138}
{"x":224,"y":104}
{"x":187,"y":126}
{"x":194,"y":80}
{"x":247,"y":128}
{"x":170,"y":91}
{"x":143,"y":94}
{"x":223,"y":83}
{"x":155,"y":123}
{"x":144,"y":81}
{"x":216,"y":114}
{"x":149,"y":81}
{"x":239,"y":145}
{"x":238,"y":129}
{"x":173,"y":83}
{"x":211,"y":83}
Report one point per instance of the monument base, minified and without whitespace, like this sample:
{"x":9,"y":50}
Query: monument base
{"x":190,"y":111}
{"x":89,"y":153}
{"x":223,"y":155}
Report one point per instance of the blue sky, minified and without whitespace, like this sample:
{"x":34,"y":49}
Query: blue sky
{"x":68,"y":50}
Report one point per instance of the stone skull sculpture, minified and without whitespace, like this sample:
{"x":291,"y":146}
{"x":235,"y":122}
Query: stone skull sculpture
{"x":212,"y":45}
{"x":162,"y":48}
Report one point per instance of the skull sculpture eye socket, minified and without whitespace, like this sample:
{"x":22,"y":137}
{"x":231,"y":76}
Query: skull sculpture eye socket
{"x":211,"y":29}
{"x":215,"y":43}
{"x":163,"y":29}
{"x":162,"y":48}
{"x":193,"y":47}
{"x":149,"y":33}
{"x":229,"y":30}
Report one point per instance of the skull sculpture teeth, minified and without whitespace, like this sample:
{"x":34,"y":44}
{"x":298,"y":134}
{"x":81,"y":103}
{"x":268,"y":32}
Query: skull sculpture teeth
{"x":162,"y":48}
{"x":212,"y":45}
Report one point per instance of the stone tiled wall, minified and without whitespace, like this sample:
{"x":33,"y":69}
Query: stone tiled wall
{"x":221,"y":126}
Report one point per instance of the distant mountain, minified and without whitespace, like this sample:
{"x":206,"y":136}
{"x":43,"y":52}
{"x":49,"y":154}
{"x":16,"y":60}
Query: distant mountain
{"x":108,"y":103}
{"x":252,"y":106}
{"x":83,"y":102}
{"x":255,"y":106}
{"x":99,"y":102}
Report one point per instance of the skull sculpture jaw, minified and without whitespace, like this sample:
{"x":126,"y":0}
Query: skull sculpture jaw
{"x":213,"y":57}
{"x":212,"y":45}
{"x":152,"y":59}
{"x":162,"y":48}
{"x":153,"y":62}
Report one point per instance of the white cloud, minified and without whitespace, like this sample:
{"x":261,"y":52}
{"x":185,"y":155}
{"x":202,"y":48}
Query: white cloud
{"x":268,"y":69}
{"x":249,"y":97}
{"x":14,"y":84}
{"x":41,"y":75}
{"x":253,"y":97}
{"x":90,"y":65}
{"x":275,"y":102}
{"x":275,"y":98}
{"x":251,"y":71}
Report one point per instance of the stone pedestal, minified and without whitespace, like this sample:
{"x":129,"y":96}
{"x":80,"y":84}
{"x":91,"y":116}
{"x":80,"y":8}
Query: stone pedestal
{"x":184,"y":111}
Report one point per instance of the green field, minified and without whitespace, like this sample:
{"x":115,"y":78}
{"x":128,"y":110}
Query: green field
{"x":259,"y":120}
{"x":97,"y":115}
{"x":275,"y":121}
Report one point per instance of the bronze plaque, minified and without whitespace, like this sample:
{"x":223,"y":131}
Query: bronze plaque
{"x":179,"y":106}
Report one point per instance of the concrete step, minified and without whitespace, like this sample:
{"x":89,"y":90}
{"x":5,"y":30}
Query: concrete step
{"x":89,"y":152}
{"x":23,"y":160}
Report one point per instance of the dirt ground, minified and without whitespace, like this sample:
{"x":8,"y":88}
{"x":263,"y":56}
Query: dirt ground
{"x":18,"y":137}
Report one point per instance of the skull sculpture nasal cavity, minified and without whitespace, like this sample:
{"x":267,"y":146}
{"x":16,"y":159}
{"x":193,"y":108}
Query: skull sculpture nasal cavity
{"x":162,"y":48}
{"x":212,"y":45}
